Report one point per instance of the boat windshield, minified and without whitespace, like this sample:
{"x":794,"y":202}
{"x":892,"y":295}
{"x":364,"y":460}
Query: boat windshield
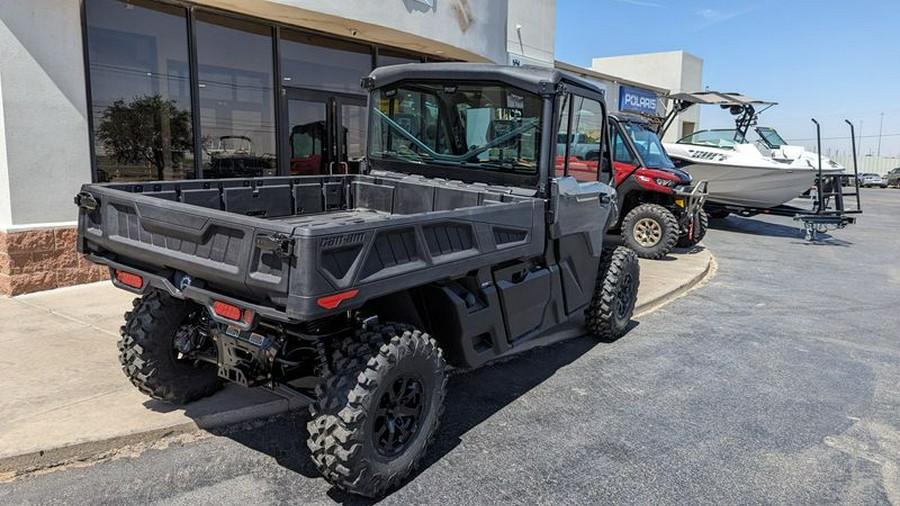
{"x":647,"y":143}
{"x":482,"y":126}
{"x":770,"y":137}
{"x":723,"y":138}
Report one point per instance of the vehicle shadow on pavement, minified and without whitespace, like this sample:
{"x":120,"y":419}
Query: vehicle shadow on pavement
{"x":751,"y":226}
{"x":472,"y":397}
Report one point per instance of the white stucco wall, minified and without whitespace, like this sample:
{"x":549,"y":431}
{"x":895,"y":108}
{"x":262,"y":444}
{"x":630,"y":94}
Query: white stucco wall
{"x":5,"y":207}
{"x":531,"y":31}
{"x":462,"y":29}
{"x":673,"y":70}
{"x":44,"y":107}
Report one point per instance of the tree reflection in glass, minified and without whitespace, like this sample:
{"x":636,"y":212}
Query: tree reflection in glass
{"x":149,"y":131}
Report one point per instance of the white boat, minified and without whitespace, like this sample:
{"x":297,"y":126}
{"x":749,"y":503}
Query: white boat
{"x":745,"y":168}
{"x":740,"y":175}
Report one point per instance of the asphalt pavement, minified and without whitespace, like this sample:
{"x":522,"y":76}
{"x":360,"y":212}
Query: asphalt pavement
{"x":776,"y":382}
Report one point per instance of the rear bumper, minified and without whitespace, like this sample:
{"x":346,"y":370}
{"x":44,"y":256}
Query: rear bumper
{"x":188,"y":292}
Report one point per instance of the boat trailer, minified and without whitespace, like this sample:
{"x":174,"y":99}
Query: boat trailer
{"x":829,"y":210}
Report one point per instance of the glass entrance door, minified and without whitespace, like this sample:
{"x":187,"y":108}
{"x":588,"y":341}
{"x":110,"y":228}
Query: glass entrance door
{"x":326,"y":132}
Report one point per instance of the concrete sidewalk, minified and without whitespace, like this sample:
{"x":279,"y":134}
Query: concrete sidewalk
{"x":63,"y":397}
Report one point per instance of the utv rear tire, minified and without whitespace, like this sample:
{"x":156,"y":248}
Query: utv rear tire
{"x":147,"y":351}
{"x":699,"y":232}
{"x":651,"y":231}
{"x":377,"y":409}
{"x":615,"y":294}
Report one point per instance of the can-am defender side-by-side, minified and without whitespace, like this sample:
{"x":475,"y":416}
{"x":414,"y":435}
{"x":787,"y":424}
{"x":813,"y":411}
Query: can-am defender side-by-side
{"x":658,"y":206}
{"x":458,"y":244}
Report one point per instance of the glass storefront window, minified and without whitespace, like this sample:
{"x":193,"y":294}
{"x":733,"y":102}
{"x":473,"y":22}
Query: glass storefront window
{"x":319,"y":63}
{"x":388,"y":57}
{"x":140,"y":90}
{"x":237,"y":103}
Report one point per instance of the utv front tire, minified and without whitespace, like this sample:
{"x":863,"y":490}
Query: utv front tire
{"x":377,"y":410}
{"x":699,"y":232}
{"x":615,"y":294}
{"x":147,"y":350}
{"x":651,"y":231}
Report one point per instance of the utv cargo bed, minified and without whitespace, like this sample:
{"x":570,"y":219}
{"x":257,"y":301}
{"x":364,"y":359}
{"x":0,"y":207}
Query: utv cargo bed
{"x":296,"y":248}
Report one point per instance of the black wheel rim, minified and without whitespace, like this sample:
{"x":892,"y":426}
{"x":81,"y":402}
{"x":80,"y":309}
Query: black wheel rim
{"x":397,"y":416}
{"x":623,"y":298}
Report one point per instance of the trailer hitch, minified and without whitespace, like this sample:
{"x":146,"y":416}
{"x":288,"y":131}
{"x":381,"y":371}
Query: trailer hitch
{"x":277,"y":243}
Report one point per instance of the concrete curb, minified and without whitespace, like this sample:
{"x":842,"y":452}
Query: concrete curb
{"x":114,"y":447}
{"x":87,"y":453}
{"x":681,"y":290}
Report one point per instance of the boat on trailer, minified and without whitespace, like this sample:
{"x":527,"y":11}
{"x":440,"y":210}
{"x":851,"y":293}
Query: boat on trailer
{"x":755,"y":171}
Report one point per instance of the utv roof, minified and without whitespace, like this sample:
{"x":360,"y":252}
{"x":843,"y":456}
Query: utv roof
{"x":528,"y":78}
{"x":717,"y":98}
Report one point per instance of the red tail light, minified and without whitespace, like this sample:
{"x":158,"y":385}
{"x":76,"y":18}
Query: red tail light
{"x":333,"y":301}
{"x":232,"y":312}
{"x":129,"y":279}
{"x":226,"y":310}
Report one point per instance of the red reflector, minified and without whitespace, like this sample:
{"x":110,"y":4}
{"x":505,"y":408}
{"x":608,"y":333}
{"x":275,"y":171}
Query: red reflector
{"x":129,"y":279}
{"x":332,"y":301}
{"x":227,"y":310}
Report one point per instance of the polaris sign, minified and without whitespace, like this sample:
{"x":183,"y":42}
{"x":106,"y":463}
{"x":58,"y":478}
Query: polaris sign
{"x":637,"y":100}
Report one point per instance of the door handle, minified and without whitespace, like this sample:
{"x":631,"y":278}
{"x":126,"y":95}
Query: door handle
{"x":343,"y":167}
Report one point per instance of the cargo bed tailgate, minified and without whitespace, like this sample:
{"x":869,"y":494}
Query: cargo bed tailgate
{"x":241,"y":254}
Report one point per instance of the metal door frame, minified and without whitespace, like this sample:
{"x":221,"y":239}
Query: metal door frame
{"x":333,"y":102}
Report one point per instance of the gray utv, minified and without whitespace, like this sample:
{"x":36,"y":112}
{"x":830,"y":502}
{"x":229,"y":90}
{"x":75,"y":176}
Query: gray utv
{"x":462,"y":240}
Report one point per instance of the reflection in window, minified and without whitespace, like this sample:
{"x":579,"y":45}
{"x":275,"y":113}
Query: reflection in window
{"x":311,"y":61}
{"x":354,"y":123}
{"x":140,"y":90}
{"x":562,"y":139}
{"x":583,"y":140}
{"x":497,"y":126}
{"x":237,"y":112}
{"x":621,"y":153}
{"x":388,"y":57}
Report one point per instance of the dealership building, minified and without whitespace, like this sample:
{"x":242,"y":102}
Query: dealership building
{"x":145,"y":90}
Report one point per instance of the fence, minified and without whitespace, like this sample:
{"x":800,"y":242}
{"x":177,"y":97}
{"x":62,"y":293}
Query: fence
{"x":874,"y":164}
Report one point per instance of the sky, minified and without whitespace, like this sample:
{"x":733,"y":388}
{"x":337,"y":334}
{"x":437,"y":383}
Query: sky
{"x":827,"y":59}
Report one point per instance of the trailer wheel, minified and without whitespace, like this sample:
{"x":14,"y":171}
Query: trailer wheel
{"x":651,"y":231}
{"x":719,"y":214}
{"x":699,"y":231}
{"x":615,"y":294}
{"x":147,"y":350}
{"x":377,"y":409}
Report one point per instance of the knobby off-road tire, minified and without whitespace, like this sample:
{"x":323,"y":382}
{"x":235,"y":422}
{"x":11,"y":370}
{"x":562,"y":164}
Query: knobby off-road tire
{"x":377,"y":409}
{"x":147,"y":352}
{"x":615,"y":294}
{"x":699,"y":232}
{"x":651,"y":231}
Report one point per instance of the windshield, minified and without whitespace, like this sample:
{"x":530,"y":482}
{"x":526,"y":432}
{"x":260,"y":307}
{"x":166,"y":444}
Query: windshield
{"x":648,"y":146}
{"x":770,"y":137}
{"x":724,"y":138}
{"x":487,"y":126}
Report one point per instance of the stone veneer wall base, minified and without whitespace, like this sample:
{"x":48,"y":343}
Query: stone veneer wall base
{"x":43,"y":259}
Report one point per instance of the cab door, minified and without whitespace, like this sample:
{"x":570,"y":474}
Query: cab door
{"x":625,"y":162}
{"x":582,"y":205}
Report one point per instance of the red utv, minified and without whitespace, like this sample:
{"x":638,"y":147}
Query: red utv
{"x":659,"y":208}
